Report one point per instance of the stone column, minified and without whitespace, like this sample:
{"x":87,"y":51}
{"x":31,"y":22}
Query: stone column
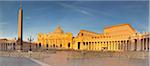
{"x":95,"y":46}
{"x":148,"y":44}
{"x":121,"y":45}
{"x":112,"y":45}
{"x":108,"y":46}
{"x":135,"y":44}
{"x":131,"y":45}
{"x":144,"y":44}
{"x":117,"y":45}
{"x":138,"y":45}
{"x":127,"y":45}
{"x":100,"y":47}
{"x":87,"y":45}
{"x":92,"y":46}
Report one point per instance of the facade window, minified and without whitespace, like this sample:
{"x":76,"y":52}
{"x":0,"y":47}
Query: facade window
{"x":112,"y":41}
{"x":53,"y":45}
{"x":103,"y":36}
{"x":124,"y":41}
{"x":89,"y":42}
{"x":115,"y":41}
{"x":121,"y":41}
{"x":60,"y":45}
{"x":92,"y":42}
{"x":81,"y":34}
{"x":109,"y":41}
{"x":83,"y":43}
{"x":86,"y":43}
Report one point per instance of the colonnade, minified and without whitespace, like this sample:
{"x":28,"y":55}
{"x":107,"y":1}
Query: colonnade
{"x":7,"y":46}
{"x":104,"y":45}
{"x":142,"y":44}
{"x":120,"y":45}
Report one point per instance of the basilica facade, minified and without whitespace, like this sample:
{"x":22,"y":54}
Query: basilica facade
{"x":122,"y":37}
{"x":57,"y":39}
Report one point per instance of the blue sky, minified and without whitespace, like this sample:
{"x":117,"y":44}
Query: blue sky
{"x":72,"y":16}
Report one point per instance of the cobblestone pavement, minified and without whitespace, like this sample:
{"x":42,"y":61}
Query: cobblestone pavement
{"x":93,"y":59}
{"x":72,"y":58}
{"x":17,"y":61}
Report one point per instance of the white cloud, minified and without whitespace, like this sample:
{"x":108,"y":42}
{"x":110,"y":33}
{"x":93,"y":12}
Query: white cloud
{"x":76,"y":9}
{"x":27,"y":17}
{"x":3,"y":23}
{"x":1,"y":27}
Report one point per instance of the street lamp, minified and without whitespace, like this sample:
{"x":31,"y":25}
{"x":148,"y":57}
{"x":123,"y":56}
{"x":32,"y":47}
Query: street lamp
{"x":30,"y":40}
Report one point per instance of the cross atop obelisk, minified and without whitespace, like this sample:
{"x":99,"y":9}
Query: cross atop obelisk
{"x":20,"y":26}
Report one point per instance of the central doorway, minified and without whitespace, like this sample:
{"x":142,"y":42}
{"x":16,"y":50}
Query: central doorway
{"x":78,"y":45}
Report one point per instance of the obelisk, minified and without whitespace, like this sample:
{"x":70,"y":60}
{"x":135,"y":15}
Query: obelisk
{"x":20,"y":27}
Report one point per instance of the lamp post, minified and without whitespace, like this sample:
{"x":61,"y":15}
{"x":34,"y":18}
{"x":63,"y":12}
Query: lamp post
{"x":30,"y":40}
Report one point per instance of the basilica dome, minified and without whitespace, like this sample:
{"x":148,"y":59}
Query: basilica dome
{"x":58,"y":30}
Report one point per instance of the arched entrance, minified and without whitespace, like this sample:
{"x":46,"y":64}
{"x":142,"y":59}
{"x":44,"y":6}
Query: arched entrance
{"x":69,"y":45}
{"x":78,"y":45}
{"x":39,"y":45}
{"x":46,"y":46}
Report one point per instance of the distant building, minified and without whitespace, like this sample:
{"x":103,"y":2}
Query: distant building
{"x":6,"y":44}
{"x":11,"y":44}
{"x":114,"y":38}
